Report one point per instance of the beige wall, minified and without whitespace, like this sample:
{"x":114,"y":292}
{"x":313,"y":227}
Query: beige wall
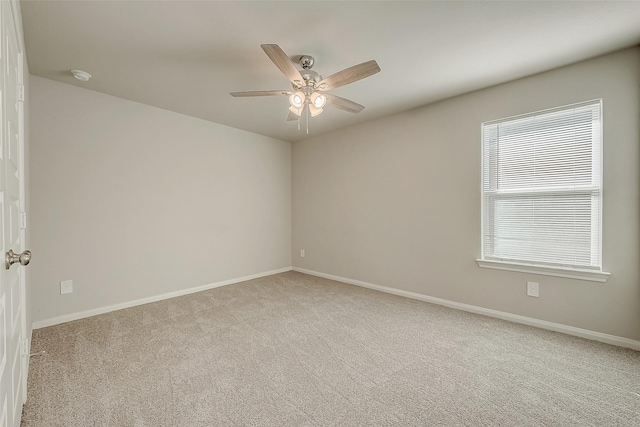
{"x":131,"y":201}
{"x":396,"y":201}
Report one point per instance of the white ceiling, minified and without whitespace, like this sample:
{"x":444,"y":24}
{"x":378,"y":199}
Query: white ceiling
{"x":187,"y":56}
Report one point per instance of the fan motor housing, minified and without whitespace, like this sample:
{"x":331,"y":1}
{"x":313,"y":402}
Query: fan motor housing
{"x":310,"y":76}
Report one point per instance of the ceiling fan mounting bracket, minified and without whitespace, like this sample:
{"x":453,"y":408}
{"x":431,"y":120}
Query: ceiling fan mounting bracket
{"x":306,"y":61}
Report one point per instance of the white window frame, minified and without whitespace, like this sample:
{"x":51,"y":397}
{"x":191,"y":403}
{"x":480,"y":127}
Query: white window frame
{"x":532,"y":267}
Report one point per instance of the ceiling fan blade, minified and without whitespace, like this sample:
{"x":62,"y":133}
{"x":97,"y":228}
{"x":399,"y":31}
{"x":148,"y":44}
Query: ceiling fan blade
{"x":292,"y":116}
{"x":261,"y":93}
{"x":349,"y":75}
{"x":282,"y":61}
{"x":344,"y":104}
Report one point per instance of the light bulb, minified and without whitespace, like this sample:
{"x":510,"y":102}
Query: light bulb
{"x":297,"y":99}
{"x":318,"y":100}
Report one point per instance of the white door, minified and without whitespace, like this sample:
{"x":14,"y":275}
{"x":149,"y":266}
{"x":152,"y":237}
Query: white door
{"x":13,"y":357}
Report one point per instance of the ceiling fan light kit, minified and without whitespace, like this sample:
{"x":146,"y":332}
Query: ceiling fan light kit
{"x":309,"y":87}
{"x":318,"y":100}
{"x":297,"y":99}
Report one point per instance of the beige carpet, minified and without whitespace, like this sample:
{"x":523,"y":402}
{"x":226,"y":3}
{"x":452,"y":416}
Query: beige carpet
{"x":296,"y":350}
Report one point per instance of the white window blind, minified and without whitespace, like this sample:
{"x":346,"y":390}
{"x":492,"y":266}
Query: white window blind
{"x":542,"y":188}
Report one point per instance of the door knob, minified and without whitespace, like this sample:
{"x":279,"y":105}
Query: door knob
{"x":12,"y":257}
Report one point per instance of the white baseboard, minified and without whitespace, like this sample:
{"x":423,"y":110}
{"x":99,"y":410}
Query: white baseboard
{"x":101,"y":310}
{"x":543,"y":324}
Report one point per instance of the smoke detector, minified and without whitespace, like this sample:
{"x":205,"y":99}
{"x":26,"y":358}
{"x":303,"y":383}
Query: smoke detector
{"x":83,"y":76}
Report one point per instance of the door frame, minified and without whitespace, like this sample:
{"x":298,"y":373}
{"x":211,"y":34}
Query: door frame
{"x":25,"y":349}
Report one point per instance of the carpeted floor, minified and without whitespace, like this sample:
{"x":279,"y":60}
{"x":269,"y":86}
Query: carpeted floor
{"x":297,"y":350}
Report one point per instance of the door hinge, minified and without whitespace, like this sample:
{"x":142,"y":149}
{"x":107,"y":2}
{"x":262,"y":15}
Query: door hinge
{"x":21,"y":93}
{"x":25,"y":347}
{"x":23,"y":220}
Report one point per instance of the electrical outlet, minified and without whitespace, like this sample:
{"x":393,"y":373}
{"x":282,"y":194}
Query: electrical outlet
{"x":302,"y":253}
{"x":66,"y":287}
{"x":533,"y":289}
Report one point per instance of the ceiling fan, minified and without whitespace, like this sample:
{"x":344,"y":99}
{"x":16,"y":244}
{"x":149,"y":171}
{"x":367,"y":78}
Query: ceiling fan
{"x":308,"y":94}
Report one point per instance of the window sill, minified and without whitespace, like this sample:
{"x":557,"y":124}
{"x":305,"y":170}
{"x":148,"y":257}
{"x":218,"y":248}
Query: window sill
{"x":571,"y":273}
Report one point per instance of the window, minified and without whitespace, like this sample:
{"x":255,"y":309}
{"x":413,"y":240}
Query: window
{"x":542,"y":192}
